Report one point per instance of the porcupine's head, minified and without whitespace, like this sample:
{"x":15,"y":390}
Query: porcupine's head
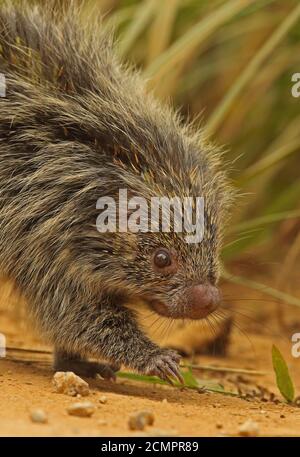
{"x":157,"y":155}
{"x":175,"y":271}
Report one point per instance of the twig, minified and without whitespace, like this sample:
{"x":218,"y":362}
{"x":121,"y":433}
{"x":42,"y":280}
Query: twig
{"x":33,"y":351}
{"x":224,"y":369}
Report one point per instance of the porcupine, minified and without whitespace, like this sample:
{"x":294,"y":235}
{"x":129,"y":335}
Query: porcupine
{"x":77,"y":124}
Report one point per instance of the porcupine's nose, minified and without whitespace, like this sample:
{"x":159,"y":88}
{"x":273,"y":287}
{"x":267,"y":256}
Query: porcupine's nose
{"x":202,"y":299}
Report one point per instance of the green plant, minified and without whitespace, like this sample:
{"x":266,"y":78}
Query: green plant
{"x":283,"y":378}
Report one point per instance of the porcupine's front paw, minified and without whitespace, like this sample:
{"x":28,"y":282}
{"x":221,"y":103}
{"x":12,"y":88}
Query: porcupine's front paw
{"x":165,"y":365}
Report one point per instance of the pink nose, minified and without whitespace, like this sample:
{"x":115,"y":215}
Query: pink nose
{"x":203,"y":299}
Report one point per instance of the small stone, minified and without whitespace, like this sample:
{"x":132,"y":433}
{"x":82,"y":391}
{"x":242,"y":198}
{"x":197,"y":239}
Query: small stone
{"x":103,"y":399}
{"x":219,"y":425}
{"x":282,"y":416}
{"x":81,"y":409}
{"x":38,"y":416}
{"x":70,"y":384}
{"x":249,"y":428}
{"x":160,"y":432}
{"x":102,"y":422}
{"x":139,"y":421}
{"x":164,"y":401}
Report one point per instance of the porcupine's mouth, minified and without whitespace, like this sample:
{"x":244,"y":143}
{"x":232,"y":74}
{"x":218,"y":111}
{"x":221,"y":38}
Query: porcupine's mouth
{"x":182,"y":311}
{"x":198,"y":302}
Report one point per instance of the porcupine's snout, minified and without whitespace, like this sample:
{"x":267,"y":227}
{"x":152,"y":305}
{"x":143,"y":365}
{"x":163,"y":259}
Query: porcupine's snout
{"x":202,"y":300}
{"x":196,"y":302}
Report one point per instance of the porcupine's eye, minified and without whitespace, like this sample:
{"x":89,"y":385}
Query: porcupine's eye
{"x":162,"y":258}
{"x":164,"y":261}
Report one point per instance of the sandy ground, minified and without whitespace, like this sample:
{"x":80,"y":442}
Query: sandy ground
{"x":26,"y":384}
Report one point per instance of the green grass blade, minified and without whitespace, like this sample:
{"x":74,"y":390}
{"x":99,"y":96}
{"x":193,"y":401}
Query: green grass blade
{"x":250,"y":71}
{"x":283,"y":378}
{"x":117,"y":18}
{"x":269,"y":161}
{"x":193,"y":38}
{"x":140,"y":20}
{"x":281,"y":296}
{"x":263,"y":220}
{"x":161,"y":29}
{"x":190,"y":382}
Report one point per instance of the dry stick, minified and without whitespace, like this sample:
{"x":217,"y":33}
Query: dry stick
{"x":34,"y":351}
{"x":27,"y":361}
{"x":224,"y":369}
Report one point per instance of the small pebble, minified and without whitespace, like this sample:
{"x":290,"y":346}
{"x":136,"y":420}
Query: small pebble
{"x":102,"y":422}
{"x":139,"y":421}
{"x":219,"y":425}
{"x":103,"y":399}
{"x":70,"y":384}
{"x":38,"y":416}
{"x":164,"y":401}
{"x":81,"y":409}
{"x":249,"y":428}
{"x":159,"y":432}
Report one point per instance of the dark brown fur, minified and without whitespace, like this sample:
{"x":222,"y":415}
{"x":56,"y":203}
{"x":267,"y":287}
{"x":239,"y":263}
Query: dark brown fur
{"x":76,"y":125}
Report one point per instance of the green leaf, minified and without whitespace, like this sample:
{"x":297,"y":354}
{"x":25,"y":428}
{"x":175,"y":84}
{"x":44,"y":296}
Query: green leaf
{"x":189,"y":379}
{"x":283,"y":379}
{"x":211,"y":386}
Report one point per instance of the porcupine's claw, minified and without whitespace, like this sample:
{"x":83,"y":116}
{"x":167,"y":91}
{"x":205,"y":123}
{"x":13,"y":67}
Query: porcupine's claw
{"x":165,"y":366}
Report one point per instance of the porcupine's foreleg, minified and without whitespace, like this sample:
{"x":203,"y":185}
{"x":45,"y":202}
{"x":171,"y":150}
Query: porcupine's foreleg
{"x":111,"y":332}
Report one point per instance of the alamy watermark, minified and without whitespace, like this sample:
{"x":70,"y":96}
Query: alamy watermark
{"x":296,"y":345}
{"x":2,"y":85}
{"x":296,"y":86}
{"x":156,"y":214}
{"x":2,"y":345}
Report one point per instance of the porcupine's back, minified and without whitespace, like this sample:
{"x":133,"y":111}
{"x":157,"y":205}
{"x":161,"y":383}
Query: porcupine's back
{"x":64,"y":74}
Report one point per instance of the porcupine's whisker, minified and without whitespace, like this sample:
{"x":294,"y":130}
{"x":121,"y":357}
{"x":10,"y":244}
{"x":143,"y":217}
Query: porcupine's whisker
{"x":215,"y":332}
{"x":156,"y":324}
{"x":266,"y":300}
{"x":211,"y":325}
{"x":262,"y":326}
{"x":242,"y":332}
{"x":169,"y":325}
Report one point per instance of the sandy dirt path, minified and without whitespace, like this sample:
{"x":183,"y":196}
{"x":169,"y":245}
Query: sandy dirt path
{"x":26,"y":384}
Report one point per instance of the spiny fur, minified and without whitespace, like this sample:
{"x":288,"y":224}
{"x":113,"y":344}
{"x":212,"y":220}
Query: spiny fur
{"x":76,"y":124}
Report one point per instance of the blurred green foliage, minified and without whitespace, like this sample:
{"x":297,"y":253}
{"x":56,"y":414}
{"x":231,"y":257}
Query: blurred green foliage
{"x":228,"y":64}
